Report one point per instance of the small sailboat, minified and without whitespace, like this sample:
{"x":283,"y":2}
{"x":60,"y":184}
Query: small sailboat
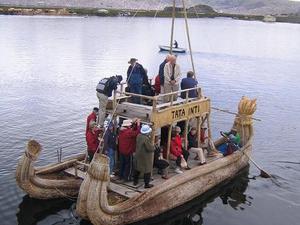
{"x":168,"y":49}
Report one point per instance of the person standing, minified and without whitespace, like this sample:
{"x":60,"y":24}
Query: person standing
{"x":161,"y":74}
{"x":187,"y":83}
{"x":92,"y":140}
{"x":111,"y":145}
{"x":144,"y":156}
{"x":136,"y":75}
{"x":127,"y":143}
{"x":91,"y":118}
{"x":172,"y":76}
{"x":104,"y":90}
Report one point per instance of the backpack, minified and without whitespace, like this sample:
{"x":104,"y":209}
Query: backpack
{"x":103,"y":86}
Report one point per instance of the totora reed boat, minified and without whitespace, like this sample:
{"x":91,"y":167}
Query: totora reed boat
{"x":93,"y":202}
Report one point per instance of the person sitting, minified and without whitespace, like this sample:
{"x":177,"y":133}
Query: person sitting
{"x":172,"y":76}
{"x":233,"y":141}
{"x":175,"y":44}
{"x":144,"y":156}
{"x":176,"y":150}
{"x":104,"y":90}
{"x":92,"y":140}
{"x":127,"y":142}
{"x":160,"y":163}
{"x":135,"y":77}
{"x":187,"y":83}
{"x":193,"y":146}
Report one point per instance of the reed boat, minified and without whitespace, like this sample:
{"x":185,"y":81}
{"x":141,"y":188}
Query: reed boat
{"x":168,"y":49}
{"x":93,"y":203}
{"x":49,"y":181}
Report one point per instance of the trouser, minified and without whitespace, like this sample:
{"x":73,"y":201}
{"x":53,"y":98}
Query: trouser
{"x":136,"y":89}
{"x":103,"y":99}
{"x":185,"y":154}
{"x":90,"y":156}
{"x":168,"y":88}
{"x":200,"y":154}
{"x":162,"y":166}
{"x":147,"y":177}
{"x":126,"y":167}
{"x":111,"y":155}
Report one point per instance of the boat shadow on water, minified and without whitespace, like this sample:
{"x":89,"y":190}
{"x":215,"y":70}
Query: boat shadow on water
{"x":61,"y":211}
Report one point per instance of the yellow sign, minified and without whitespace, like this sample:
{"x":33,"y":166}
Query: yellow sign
{"x":181,"y":112}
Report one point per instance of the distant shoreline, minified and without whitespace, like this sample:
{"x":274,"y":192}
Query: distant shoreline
{"x":105,"y":12}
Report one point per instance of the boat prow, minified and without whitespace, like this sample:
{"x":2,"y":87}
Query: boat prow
{"x":168,"y":49}
{"x":46,"y":182}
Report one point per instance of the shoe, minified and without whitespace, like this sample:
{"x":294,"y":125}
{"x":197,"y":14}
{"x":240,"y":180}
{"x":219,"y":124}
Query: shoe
{"x":148,"y":186}
{"x":188,"y":168}
{"x":165,"y":177}
{"x":178,"y":171}
{"x":112,"y":176}
{"x":135,"y":183}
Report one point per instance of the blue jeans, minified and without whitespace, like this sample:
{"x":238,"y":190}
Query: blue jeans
{"x":136,"y":89}
{"x":111,"y":155}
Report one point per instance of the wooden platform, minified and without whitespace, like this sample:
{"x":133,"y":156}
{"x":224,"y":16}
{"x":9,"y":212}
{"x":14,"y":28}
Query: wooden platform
{"x":128,"y":190}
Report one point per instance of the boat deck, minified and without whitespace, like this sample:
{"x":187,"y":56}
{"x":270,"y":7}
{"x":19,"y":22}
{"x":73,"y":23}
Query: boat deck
{"x":128,"y":190}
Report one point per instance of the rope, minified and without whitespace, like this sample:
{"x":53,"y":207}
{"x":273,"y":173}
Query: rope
{"x":227,"y":111}
{"x":172,"y":29}
{"x":188,"y":36}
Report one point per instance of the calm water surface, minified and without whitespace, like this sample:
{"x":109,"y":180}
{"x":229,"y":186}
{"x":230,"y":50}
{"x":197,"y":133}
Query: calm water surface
{"x":49,"y":67}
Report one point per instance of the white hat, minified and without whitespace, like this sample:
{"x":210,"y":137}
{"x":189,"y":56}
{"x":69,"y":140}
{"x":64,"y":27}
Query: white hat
{"x":146,"y":129}
{"x":127,"y":123}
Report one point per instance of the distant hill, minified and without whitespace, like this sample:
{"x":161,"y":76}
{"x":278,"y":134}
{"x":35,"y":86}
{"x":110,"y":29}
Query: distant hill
{"x":259,"y":7}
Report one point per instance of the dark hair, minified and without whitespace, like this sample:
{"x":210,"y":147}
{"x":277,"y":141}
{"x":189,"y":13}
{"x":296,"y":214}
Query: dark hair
{"x":120,"y":78}
{"x":190,"y":74}
{"x":96,"y":109}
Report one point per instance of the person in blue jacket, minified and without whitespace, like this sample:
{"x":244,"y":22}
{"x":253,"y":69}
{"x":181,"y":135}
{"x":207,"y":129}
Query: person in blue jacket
{"x":189,"y":82}
{"x":136,"y":74}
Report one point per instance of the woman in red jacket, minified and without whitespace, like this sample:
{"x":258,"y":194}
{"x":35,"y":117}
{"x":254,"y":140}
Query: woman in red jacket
{"x":176,"y":150}
{"x":127,"y":143}
{"x":92,"y":140}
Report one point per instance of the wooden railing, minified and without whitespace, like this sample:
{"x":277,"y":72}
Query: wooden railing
{"x":158,"y":100}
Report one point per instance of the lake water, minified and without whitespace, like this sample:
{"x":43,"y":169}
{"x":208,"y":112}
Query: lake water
{"x":49,"y":67}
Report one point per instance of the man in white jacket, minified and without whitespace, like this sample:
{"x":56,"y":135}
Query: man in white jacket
{"x":172,"y":76}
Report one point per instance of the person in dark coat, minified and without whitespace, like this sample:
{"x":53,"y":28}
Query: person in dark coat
{"x":187,"y":83}
{"x":160,"y":163}
{"x":175,"y":44}
{"x":92,"y":117}
{"x":104,"y":90}
{"x":127,"y":143}
{"x":111,"y":145}
{"x":144,"y":156}
{"x":161,"y":73}
{"x":136,"y":75}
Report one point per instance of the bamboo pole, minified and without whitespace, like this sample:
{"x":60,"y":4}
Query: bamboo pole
{"x":186,"y":127}
{"x":169,"y":141}
{"x":172,"y":29}
{"x":199,"y":131}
